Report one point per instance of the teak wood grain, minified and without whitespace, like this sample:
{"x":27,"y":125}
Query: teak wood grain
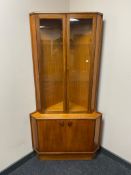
{"x":35,"y":56}
{"x":66,"y":60}
{"x":64,"y":135}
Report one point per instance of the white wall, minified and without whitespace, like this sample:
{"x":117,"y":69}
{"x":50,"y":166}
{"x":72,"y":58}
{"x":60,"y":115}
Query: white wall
{"x":115,"y":86}
{"x":17,"y":97}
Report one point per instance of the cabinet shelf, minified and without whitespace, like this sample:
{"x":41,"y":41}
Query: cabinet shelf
{"x":55,"y":107}
{"x":73,"y":107}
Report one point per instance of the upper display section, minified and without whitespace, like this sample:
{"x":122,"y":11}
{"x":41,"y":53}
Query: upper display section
{"x":66,"y":52}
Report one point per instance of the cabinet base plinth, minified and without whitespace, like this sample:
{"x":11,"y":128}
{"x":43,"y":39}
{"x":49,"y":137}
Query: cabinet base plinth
{"x":87,"y":156}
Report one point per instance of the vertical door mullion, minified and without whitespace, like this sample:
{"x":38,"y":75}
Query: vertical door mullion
{"x":34,"y":20}
{"x":64,"y":64}
{"x":67,"y":57}
{"x":92,"y":65}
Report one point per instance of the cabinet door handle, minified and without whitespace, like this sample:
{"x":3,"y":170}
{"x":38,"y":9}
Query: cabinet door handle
{"x":61,"y":123}
{"x":70,"y":124}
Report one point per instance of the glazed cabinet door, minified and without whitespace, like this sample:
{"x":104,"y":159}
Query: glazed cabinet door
{"x":80,"y":53}
{"x":51,"y":62}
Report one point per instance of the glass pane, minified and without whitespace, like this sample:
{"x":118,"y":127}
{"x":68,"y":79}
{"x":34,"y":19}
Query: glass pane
{"x":51,"y":65}
{"x":80,"y":53}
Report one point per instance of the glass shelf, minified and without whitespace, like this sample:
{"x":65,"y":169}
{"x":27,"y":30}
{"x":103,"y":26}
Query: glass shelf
{"x":73,"y":107}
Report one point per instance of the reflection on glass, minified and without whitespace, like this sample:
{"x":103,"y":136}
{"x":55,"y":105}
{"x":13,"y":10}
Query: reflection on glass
{"x":79,"y":63}
{"x":74,"y":19}
{"x":51,"y":65}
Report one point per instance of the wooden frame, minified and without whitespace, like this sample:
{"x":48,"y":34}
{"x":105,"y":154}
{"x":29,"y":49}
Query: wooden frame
{"x":36,"y":52}
{"x":84,"y":16}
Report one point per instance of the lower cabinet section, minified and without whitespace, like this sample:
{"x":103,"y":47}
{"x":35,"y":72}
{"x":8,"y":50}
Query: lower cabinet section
{"x":63,"y":137}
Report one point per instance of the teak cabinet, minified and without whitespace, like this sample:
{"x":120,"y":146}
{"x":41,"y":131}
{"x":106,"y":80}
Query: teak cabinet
{"x":66,"y":57}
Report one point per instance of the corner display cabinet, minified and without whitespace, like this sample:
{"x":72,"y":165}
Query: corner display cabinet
{"x":66,"y":56}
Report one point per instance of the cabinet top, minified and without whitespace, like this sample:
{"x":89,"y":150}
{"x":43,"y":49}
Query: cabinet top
{"x":95,"y":13}
{"x":92,"y":116}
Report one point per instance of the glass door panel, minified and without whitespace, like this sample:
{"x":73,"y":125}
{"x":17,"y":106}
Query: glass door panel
{"x":79,"y":61}
{"x":51,"y":65}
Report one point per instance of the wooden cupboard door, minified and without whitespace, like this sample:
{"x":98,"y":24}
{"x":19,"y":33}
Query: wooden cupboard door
{"x":66,"y":135}
{"x":80,"y":135}
{"x":80,"y":53}
{"x":51,"y":135}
